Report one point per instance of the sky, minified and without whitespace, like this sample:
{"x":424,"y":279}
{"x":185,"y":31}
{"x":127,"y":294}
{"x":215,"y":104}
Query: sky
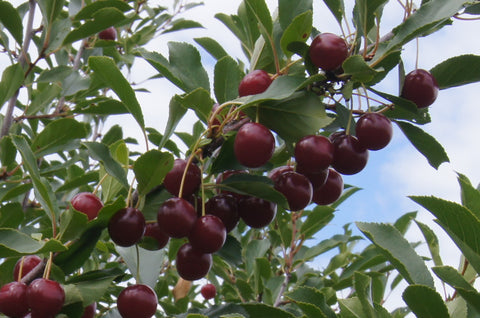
{"x":391,"y":174}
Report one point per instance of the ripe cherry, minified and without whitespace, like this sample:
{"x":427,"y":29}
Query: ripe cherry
{"x":420,"y":87}
{"x":208,"y":234}
{"x":45,"y":297}
{"x":176,"y":217}
{"x":330,"y":191}
{"x":108,"y":34}
{"x":328,"y":51}
{"x":137,"y":301}
{"x":350,"y":156}
{"x":173,"y":178}
{"x":314,"y":153}
{"x":127,"y":226}
{"x":278,"y":171}
{"x":316,"y":179}
{"x":87,"y":203}
{"x":225,"y":207}
{"x":256,"y":212}
{"x":191,"y":263}
{"x":89,"y":311}
{"x":29,"y":263}
{"x":255,"y":82}
{"x":374,"y":131}
{"x":296,"y":188}
{"x":13,"y":299}
{"x":208,"y":291}
{"x":254,"y":145}
{"x":157,"y":239}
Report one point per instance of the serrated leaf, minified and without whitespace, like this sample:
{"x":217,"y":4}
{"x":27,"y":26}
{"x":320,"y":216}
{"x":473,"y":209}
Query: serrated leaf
{"x":12,"y":79}
{"x":212,"y":46}
{"x":50,"y":9}
{"x":432,"y":242}
{"x":14,"y":243}
{"x":337,"y":8}
{"x":356,"y":67}
{"x":316,"y":220}
{"x":297,"y":31}
{"x":150,"y":169}
{"x":365,"y":13}
{"x":457,"y":71}
{"x":351,"y":308}
{"x":313,"y":297}
{"x":231,"y":251}
{"x":452,"y":277}
{"x":363,"y":288}
{"x":182,"y":25}
{"x":227,"y":77}
{"x":11,"y":215}
{"x":88,"y":11}
{"x":262,"y":310}
{"x":425,"y":302}
{"x":470,"y":195}
{"x":11,"y":20}
{"x":261,"y":13}
{"x":398,"y":251}
{"x":289,"y":10}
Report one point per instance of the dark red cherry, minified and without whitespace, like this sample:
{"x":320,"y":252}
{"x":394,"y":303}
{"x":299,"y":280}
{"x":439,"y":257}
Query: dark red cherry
{"x":89,"y":311}
{"x":127,"y":226}
{"x":278,"y":171}
{"x":173,"y":178}
{"x":137,"y":301}
{"x":87,"y":203}
{"x":330,"y":191}
{"x":29,"y":263}
{"x":296,"y":188}
{"x":13,"y":299}
{"x":176,"y":217}
{"x":208,"y":291}
{"x":316,"y":179}
{"x":374,"y":131}
{"x":254,"y":145}
{"x":314,"y":153}
{"x":45,"y":297}
{"x":108,"y":34}
{"x":328,"y":51}
{"x":208,"y":234}
{"x":420,"y":87}
{"x":225,"y":207}
{"x":255,"y":82}
{"x":191,"y":263}
{"x":256,"y":212}
{"x":349,"y":156}
{"x":157,"y":239}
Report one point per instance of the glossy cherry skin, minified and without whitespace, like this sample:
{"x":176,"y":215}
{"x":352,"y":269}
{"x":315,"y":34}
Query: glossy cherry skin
{"x":208,"y":291}
{"x":137,"y":301}
{"x":13,"y":299}
{"x":278,"y":171}
{"x":153,"y":231}
{"x":420,"y":87}
{"x":254,"y":145}
{"x":374,"y":131}
{"x":208,"y":234}
{"x":316,"y":179}
{"x":256,"y":212}
{"x":87,"y":203}
{"x":176,"y":217}
{"x":225,"y":207}
{"x":191,"y":263}
{"x":127,"y":226}
{"x":330,"y":191}
{"x":173,"y":178}
{"x":108,"y":34}
{"x":314,"y":153}
{"x":328,"y":51}
{"x":350,"y":157}
{"x":296,"y":188}
{"x":45,"y":297}
{"x":255,"y":82}
{"x":29,"y":263}
{"x":89,"y":311}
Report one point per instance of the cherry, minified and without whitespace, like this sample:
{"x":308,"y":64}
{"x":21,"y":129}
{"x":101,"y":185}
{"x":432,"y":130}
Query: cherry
{"x":254,"y":145}
{"x":108,"y":34}
{"x":278,"y":171}
{"x":137,"y":301}
{"x":89,"y":311}
{"x":255,"y":82}
{"x":13,"y":299}
{"x":296,"y":188}
{"x":328,"y":51}
{"x":45,"y":297}
{"x":127,"y":226}
{"x":176,"y":217}
{"x":208,"y":234}
{"x":256,"y":212}
{"x":225,"y":207}
{"x":330,"y":191}
{"x":87,"y":203}
{"x":349,"y":156}
{"x":191,"y":263}
{"x":316,"y":179}
{"x":374,"y":131}
{"x":208,"y":291}
{"x":420,"y":87}
{"x":29,"y":263}
{"x":314,"y":153}
{"x":173,"y":178}
{"x":158,"y":238}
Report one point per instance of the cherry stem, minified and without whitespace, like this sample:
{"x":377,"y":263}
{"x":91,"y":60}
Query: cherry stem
{"x":137,"y":276}
{"x":20,"y":272}
{"x":189,"y":161}
{"x":100,"y":183}
{"x":129,"y":195}
{"x":48,"y":267}
{"x":350,"y":118}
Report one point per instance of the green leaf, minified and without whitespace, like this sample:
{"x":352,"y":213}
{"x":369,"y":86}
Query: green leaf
{"x":88,"y":11}
{"x":43,"y":98}
{"x":77,"y":182}
{"x":107,"y":70}
{"x":11,"y":215}
{"x":262,"y":14}
{"x":101,"y":153}
{"x":50,"y":9}
{"x":337,"y":8}
{"x":231,"y":251}
{"x":212,"y":46}
{"x":150,"y":264}
{"x":175,"y":114}
{"x":452,"y":277}
{"x":11,"y":20}
{"x":403,"y":223}
{"x":72,"y":224}
{"x":470,"y":195}
{"x":226,"y":159}
{"x":425,"y":302}
{"x":15,"y":243}
{"x":358,"y":69}
{"x":8,"y":151}
{"x":316,"y":220}
{"x":311,"y":301}
{"x":432,"y":242}
{"x":425,"y":143}
{"x":265,"y":311}
{"x":398,"y":251}
{"x":199,"y":101}
{"x":363,"y":288}
{"x":150,"y":169}
{"x":227,"y":77}
{"x":12,"y":79}
{"x":457,"y":71}
{"x":289,"y":10}
{"x":297,"y":31}
{"x":351,"y":308}
{"x":255,"y":249}
{"x":182,"y":25}
{"x":365,"y":13}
